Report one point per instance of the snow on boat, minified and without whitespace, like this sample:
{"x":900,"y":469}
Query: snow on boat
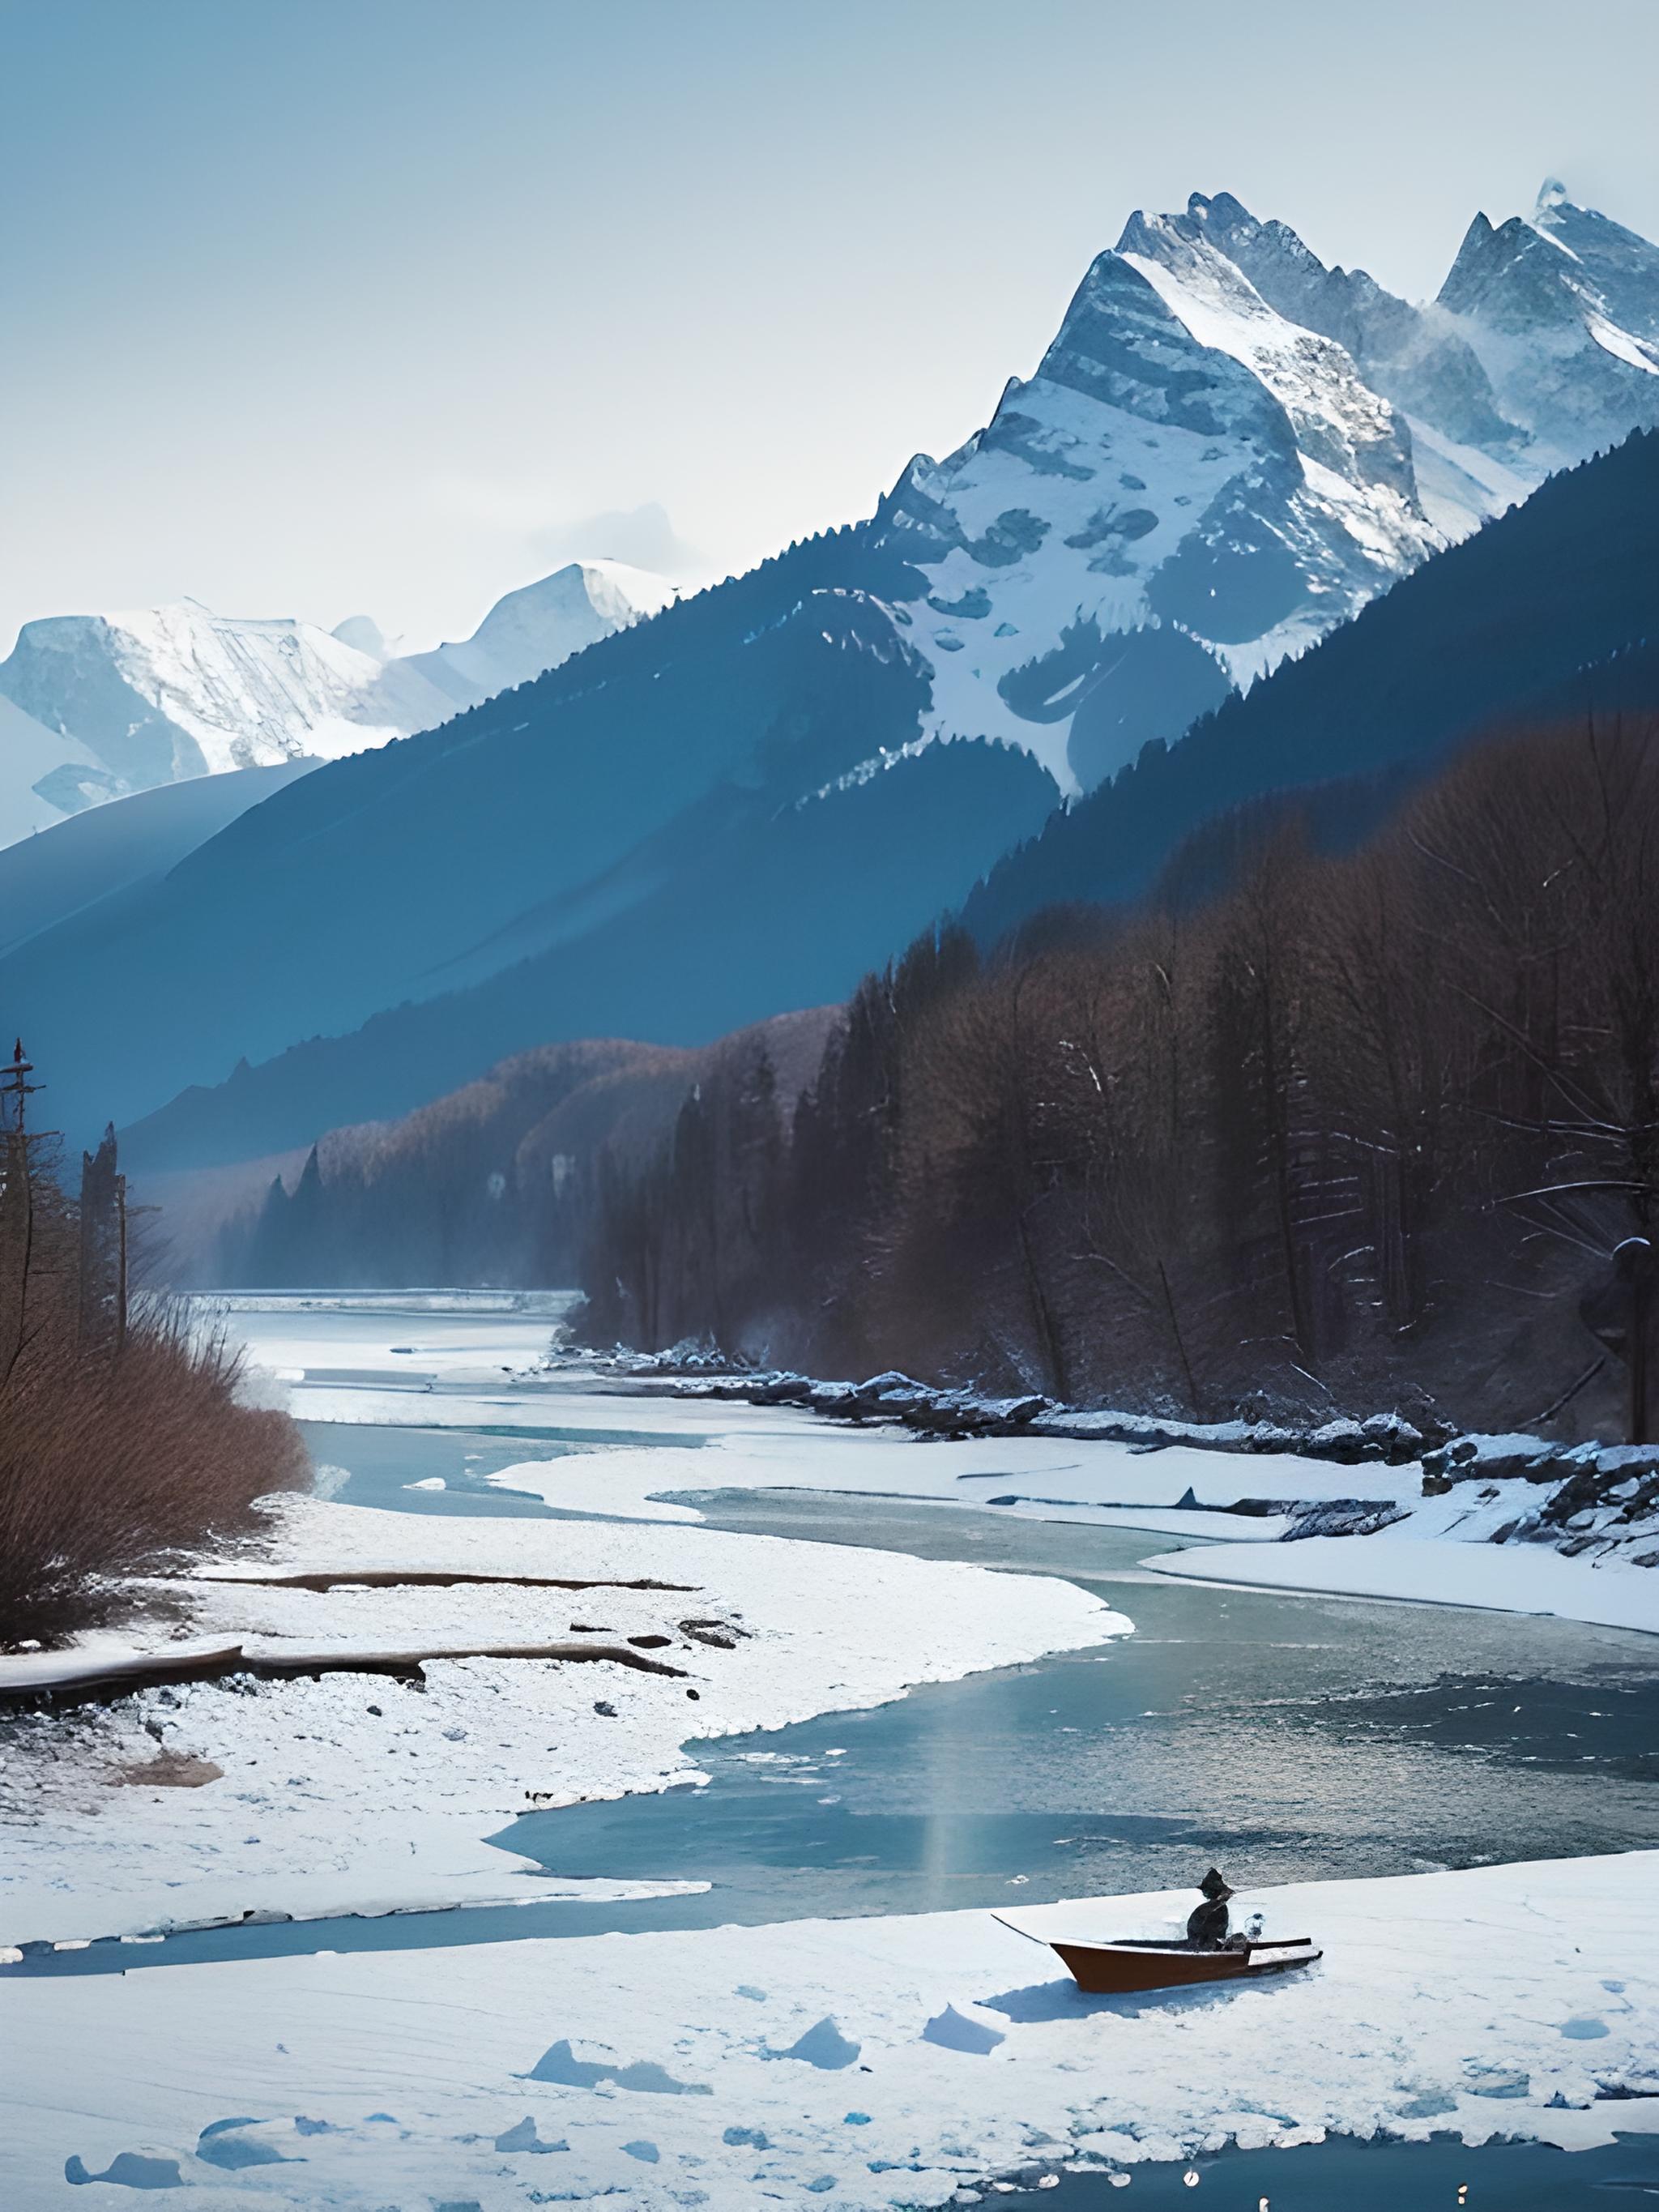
{"x":1132,"y":1964}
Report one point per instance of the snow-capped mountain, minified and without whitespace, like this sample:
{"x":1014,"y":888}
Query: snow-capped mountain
{"x":1229,"y":447}
{"x":168,"y":692}
{"x":1562,"y":309}
{"x":126,"y":702}
{"x":540,"y":626}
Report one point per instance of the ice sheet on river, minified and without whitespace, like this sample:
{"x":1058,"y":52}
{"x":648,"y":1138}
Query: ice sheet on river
{"x":1397,"y":1563}
{"x":1515,"y":2001}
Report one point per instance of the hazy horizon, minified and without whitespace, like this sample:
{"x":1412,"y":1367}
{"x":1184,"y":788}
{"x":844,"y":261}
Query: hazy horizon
{"x":385,"y":309}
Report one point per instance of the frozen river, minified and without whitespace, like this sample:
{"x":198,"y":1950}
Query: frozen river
{"x":1286,"y":1737}
{"x":1294,"y":1739}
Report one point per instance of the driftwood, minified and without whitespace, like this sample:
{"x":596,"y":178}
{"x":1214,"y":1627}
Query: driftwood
{"x":102,"y":1678}
{"x":328,"y":1578}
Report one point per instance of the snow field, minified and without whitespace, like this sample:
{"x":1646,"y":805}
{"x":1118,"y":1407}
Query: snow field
{"x":859,"y":2064}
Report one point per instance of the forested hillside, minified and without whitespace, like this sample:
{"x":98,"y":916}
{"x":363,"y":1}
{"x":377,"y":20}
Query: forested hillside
{"x":487,"y":1185}
{"x":749,"y":901}
{"x":1357,"y":1134}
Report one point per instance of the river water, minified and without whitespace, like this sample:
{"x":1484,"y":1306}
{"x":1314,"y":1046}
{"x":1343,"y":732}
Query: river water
{"x":1286,"y":1737}
{"x":1289,"y":1737}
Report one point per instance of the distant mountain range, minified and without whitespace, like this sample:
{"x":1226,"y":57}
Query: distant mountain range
{"x":1228,"y":448}
{"x":108,"y":704}
{"x":740,"y":905}
{"x":738,"y":806}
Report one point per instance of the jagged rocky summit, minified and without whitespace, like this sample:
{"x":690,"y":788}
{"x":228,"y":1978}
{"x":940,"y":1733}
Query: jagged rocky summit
{"x":1229,"y":447}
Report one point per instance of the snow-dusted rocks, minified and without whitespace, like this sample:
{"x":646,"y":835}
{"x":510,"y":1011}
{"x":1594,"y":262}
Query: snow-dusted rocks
{"x":131,"y":701}
{"x":1412,"y":359}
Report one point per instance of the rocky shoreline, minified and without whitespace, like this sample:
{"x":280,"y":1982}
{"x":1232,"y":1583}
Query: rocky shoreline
{"x":1597,"y":1494}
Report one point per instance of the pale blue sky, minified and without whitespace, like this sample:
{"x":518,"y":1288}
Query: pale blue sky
{"x":322,"y":306}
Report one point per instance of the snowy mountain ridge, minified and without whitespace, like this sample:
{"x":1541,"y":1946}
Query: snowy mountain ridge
{"x":121,"y":703}
{"x":1229,"y":447}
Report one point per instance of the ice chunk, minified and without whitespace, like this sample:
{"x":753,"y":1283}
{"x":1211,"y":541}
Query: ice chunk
{"x":132,"y":2169}
{"x":560,"y":2064}
{"x":822,"y":2045}
{"x":953,"y":2031}
{"x":523,"y":2137}
{"x":222,"y":2145}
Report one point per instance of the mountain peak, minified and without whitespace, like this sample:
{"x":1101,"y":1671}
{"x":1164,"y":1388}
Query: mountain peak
{"x":544,"y":622}
{"x":1511,"y":274}
{"x":1562,"y":309}
{"x":1222,"y":209}
{"x":363,"y":634}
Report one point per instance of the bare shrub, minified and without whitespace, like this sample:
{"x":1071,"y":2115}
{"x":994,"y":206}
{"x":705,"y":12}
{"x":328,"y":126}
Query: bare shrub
{"x":108,"y":1465}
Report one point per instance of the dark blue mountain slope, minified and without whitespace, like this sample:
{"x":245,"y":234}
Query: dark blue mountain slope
{"x":762,"y":904}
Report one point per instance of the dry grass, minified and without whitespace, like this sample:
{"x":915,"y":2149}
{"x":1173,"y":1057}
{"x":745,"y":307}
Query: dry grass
{"x":168,"y":1770}
{"x":112,"y":1466}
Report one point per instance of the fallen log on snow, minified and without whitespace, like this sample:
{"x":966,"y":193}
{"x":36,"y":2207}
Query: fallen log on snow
{"x":328,"y":1578}
{"x":72,"y":1677}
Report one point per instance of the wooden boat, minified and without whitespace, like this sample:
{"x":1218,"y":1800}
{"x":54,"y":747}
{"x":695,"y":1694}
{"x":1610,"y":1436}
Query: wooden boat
{"x":1133,"y":1964}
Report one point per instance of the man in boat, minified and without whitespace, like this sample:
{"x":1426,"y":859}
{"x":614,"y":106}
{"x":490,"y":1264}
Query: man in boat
{"x":1208,"y":1924}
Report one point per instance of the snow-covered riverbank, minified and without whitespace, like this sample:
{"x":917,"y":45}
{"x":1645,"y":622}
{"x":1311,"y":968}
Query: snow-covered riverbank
{"x":695,"y":2067}
{"x":356,"y":1793}
{"x":1437,"y":1549}
{"x":858,"y":2063}
{"x":1582,"y":1522}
